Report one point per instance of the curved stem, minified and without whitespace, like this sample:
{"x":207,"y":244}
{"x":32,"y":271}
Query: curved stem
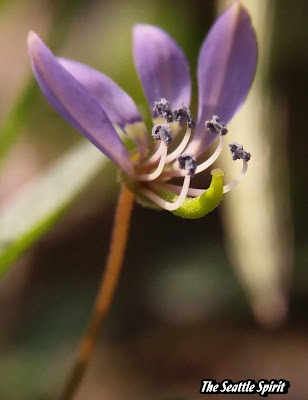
{"x":105,"y":292}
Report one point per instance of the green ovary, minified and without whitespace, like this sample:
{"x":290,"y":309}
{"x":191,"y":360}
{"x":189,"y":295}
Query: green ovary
{"x":198,"y":207}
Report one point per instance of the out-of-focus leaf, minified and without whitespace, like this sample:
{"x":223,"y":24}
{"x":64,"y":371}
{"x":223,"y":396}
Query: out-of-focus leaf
{"x":257,"y":213}
{"x":3,"y":3}
{"x":64,"y":15}
{"x":40,"y":204}
{"x":16,"y":117}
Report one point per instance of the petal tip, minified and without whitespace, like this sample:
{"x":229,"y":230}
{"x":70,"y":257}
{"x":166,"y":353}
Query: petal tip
{"x":240,"y":10}
{"x":31,"y":39}
{"x":137,"y":27}
{"x":237,"y":11}
{"x":237,"y":6}
{"x":142,"y":28}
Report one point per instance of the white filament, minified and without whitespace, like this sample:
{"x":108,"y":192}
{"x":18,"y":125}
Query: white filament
{"x":177,"y":189}
{"x":213,"y":157}
{"x":156,"y":155}
{"x":181,"y":147}
{"x":198,"y":192}
{"x":235,"y":181}
{"x":206,"y":164}
{"x":159,"y":169}
{"x":166,"y":204}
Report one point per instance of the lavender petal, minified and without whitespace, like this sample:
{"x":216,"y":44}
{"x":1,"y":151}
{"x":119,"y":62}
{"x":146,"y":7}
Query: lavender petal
{"x":226,"y":68}
{"x":161,"y":65}
{"x":117,"y":104}
{"x":75,"y":103}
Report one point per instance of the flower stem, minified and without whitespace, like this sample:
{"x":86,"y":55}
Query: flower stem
{"x":105,"y":292}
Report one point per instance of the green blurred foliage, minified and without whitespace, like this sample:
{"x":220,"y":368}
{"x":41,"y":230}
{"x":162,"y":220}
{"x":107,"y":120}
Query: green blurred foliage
{"x":64,"y":13}
{"x":39,"y":207}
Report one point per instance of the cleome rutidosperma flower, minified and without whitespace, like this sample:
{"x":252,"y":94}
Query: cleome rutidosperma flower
{"x":98,"y":108}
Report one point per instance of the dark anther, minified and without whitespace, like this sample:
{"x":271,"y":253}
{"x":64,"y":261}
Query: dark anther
{"x":188,"y":163}
{"x":162,"y":132}
{"x":216,"y":126}
{"x":163,"y":109}
{"x":183,"y":115}
{"x":238,"y":153}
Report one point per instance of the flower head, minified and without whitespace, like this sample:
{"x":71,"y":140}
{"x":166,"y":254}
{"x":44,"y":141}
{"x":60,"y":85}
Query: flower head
{"x":96,"y":106}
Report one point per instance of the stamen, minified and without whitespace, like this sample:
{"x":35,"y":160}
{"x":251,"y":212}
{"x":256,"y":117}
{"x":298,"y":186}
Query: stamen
{"x":159,"y":169}
{"x":235,"y":181}
{"x":183,"y":115}
{"x":213,"y":157}
{"x":159,"y":132}
{"x":162,"y":132}
{"x":198,"y":192}
{"x":181,"y":147}
{"x":238,"y":153}
{"x":156,"y":155}
{"x":206,"y":164}
{"x":192,"y":192}
{"x":188,"y":163}
{"x":216,"y":126}
{"x":165,"y":204}
{"x":163,"y":109}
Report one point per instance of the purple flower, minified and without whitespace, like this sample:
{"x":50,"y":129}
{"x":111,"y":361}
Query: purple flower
{"x":99,"y":108}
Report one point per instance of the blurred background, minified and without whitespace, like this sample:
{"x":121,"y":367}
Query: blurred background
{"x":227,"y":300}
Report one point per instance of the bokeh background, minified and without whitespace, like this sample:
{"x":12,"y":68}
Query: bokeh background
{"x":221,"y":297}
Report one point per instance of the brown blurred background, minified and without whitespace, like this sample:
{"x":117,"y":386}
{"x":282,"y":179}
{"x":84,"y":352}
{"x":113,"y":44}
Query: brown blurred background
{"x":185,"y":308}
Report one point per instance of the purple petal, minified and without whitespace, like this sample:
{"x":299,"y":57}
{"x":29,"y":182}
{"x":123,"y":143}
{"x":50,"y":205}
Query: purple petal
{"x":117,"y":104}
{"x":226,"y":68}
{"x":161,"y":66}
{"x":75,"y":103}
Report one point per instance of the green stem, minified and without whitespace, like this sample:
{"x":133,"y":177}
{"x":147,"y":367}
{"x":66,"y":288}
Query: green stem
{"x":105,"y":293}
